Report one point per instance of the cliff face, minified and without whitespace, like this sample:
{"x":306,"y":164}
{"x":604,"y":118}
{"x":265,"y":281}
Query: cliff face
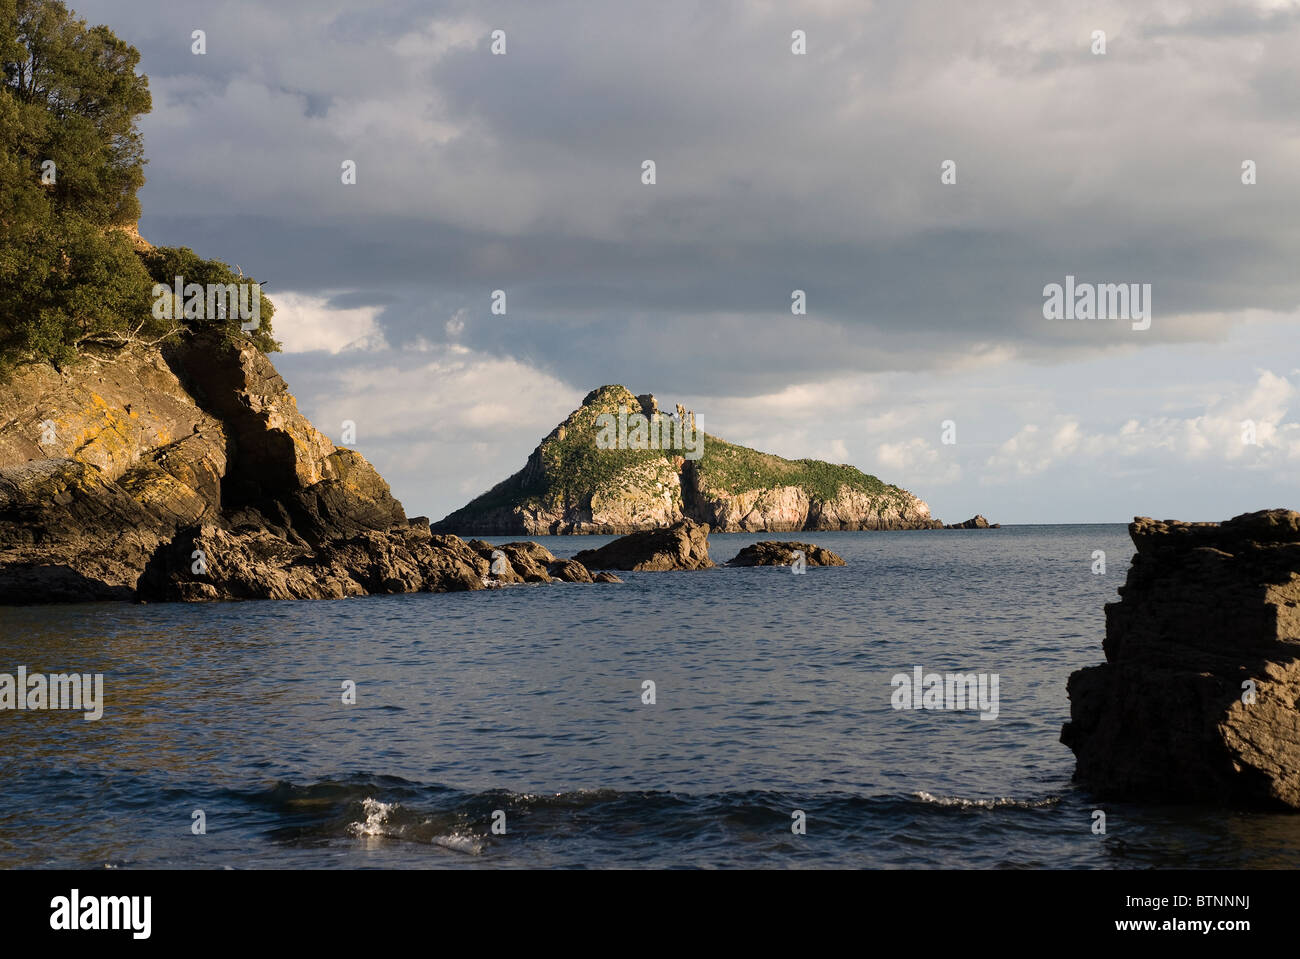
{"x":1197,"y":699}
{"x":571,"y":484}
{"x":102,"y":464}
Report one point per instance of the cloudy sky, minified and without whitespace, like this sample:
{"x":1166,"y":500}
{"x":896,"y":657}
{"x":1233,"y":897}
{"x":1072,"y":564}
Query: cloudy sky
{"x":774,"y":172}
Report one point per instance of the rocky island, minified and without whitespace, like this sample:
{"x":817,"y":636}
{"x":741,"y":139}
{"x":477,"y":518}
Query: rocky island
{"x":571,"y":484}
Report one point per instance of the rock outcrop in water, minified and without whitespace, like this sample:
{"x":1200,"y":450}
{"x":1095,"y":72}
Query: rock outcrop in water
{"x":188,"y":473}
{"x":257,"y":564}
{"x":769,"y":553}
{"x":684,"y":545}
{"x":975,"y":522}
{"x":572,"y":484}
{"x":1197,"y":699}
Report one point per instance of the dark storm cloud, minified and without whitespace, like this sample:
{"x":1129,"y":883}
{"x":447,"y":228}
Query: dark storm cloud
{"x":776,"y":173}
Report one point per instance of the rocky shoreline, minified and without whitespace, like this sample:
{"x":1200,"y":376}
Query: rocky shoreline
{"x":188,"y":474}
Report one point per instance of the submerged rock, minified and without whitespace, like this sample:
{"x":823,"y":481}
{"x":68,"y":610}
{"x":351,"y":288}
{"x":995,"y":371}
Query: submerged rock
{"x":684,"y":545}
{"x":1197,"y":699}
{"x":770,"y":553}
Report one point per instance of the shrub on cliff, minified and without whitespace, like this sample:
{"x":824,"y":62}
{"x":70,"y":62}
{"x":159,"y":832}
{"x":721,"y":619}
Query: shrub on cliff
{"x":71,"y":161}
{"x":166,"y":263}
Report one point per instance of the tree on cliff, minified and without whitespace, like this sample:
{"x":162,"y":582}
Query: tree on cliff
{"x":71,"y":161}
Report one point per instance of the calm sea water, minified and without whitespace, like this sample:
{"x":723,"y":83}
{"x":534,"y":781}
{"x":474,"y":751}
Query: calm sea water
{"x":772,"y":695}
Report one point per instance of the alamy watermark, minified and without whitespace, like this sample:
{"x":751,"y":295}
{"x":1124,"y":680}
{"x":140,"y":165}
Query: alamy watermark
{"x":211,"y":301}
{"x":75,"y":912}
{"x":922,"y":690}
{"x":82,"y":691}
{"x":1098,"y":301}
{"x":636,"y":431}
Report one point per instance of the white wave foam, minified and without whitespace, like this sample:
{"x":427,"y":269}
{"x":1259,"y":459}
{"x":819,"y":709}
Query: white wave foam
{"x":376,"y":823}
{"x":1001,"y":803}
{"x":459,"y":843}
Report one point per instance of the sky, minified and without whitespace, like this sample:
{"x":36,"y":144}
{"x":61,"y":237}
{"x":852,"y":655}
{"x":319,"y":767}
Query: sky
{"x":774,"y":172}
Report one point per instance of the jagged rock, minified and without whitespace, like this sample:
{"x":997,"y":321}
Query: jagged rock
{"x":604,"y":577}
{"x":102,"y":464}
{"x":572,"y":484}
{"x":975,"y":522}
{"x":256,"y":564}
{"x":519,"y":562}
{"x":1206,"y":608}
{"x":770,"y":553}
{"x":283,"y":466}
{"x":571,"y":571}
{"x":684,"y":545}
{"x":115,"y":472}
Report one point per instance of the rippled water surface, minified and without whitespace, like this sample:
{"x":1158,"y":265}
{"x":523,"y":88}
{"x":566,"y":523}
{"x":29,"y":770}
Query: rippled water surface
{"x":773,"y":695}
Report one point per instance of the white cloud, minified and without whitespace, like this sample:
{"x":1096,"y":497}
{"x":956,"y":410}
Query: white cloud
{"x":1249,"y":426}
{"x":305,"y":323}
{"x":918,"y":463}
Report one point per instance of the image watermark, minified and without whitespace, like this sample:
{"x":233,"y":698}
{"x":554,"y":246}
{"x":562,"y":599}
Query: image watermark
{"x":950,"y":691}
{"x":209,"y":301}
{"x":1098,"y":301}
{"x":75,"y":912}
{"x":636,"y":431}
{"x":37,"y":691}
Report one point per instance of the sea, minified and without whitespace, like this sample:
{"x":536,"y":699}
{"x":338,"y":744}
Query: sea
{"x":732,"y":718}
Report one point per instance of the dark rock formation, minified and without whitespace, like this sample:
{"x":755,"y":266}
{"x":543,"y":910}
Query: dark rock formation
{"x":102,"y":465}
{"x":769,"y":553}
{"x":189,"y":473}
{"x":257,"y":564}
{"x":514,"y":562}
{"x":975,"y":522}
{"x":684,"y":545}
{"x":570,"y":571}
{"x":1210,"y":613}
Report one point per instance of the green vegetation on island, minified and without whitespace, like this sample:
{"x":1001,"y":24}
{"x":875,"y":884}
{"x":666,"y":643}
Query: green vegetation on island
{"x":573,"y":480}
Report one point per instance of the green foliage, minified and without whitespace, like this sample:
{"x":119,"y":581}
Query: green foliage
{"x":573,"y":467}
{"x":69,"y":272}
{"x":576,"y":468}
{"x":728,"y":468}
{"x":165,"y":263}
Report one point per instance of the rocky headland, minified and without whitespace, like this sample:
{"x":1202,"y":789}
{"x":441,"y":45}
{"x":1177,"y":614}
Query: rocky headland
{"x":186,"y":472}
{"x":1198,"y":698}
